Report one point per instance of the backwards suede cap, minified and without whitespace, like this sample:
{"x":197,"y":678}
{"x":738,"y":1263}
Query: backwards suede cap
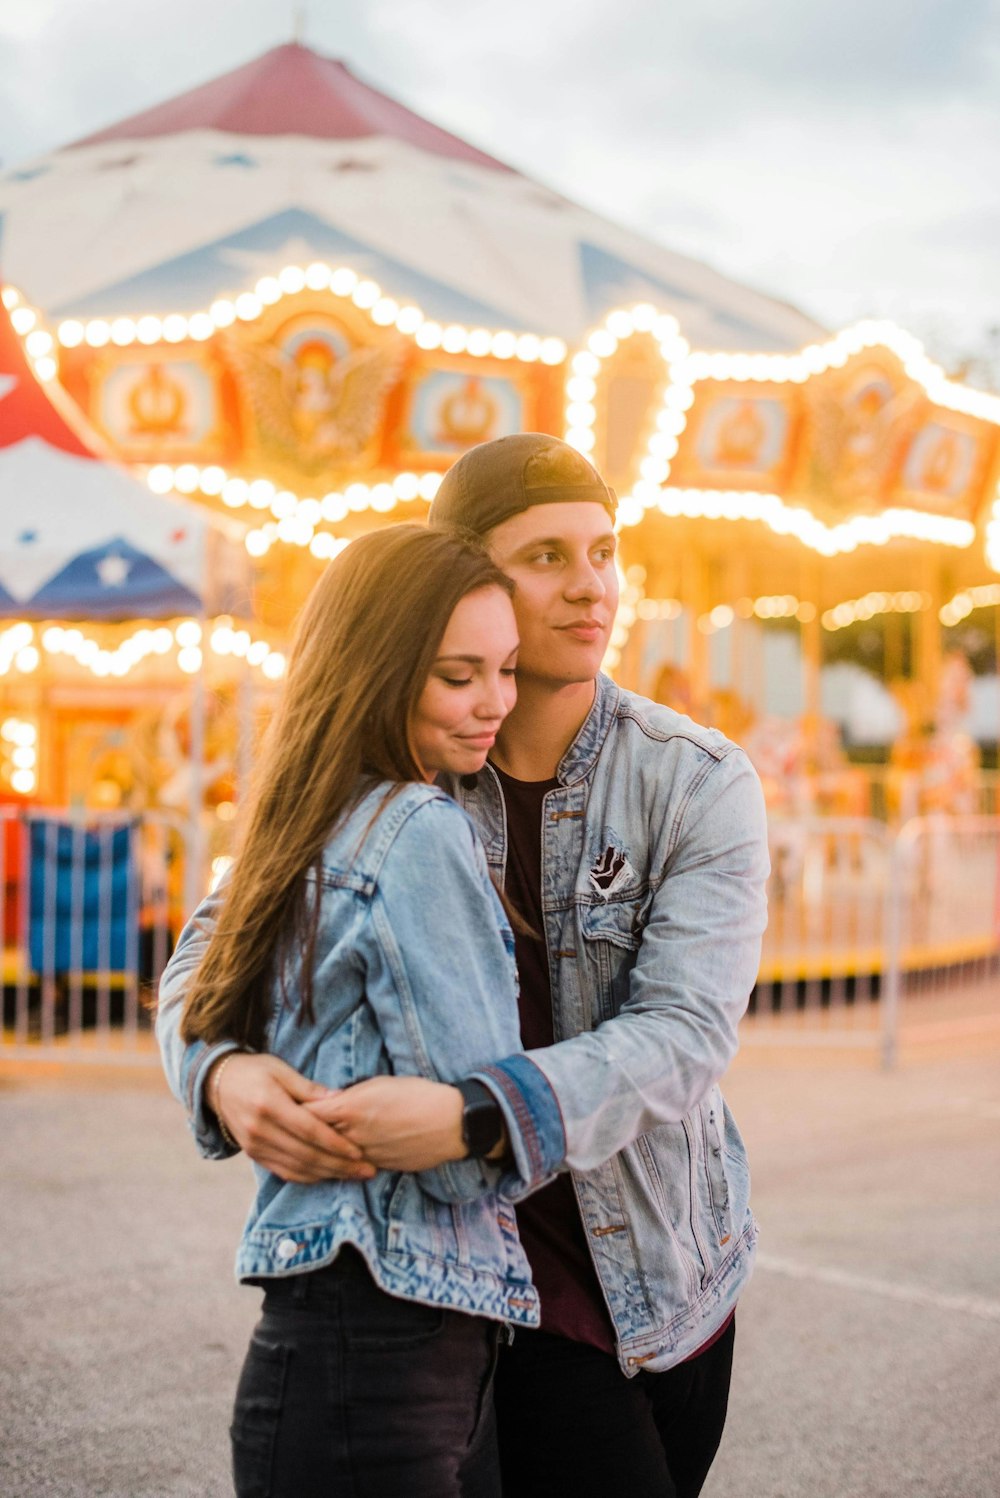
{"x":496,"y":480}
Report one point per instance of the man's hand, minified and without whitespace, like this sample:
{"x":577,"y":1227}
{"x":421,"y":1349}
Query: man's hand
{"x":399,"y":1123}
{"x":260,"y":1100}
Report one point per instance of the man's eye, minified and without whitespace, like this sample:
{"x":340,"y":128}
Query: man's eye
{"x":547,"y":556}
{"x":605,"y":554}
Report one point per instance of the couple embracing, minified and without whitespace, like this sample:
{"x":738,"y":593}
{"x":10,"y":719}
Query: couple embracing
{"x":464,"y":1001}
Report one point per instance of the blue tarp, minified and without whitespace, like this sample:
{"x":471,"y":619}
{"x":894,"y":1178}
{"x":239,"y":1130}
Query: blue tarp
{"x":80,"y":914}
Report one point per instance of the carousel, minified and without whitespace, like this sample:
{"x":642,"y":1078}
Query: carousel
{"x":286,"y":303}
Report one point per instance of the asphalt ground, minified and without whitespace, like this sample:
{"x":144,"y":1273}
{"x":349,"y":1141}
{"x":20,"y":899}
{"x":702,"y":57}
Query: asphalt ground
{"x":868,"y":1342}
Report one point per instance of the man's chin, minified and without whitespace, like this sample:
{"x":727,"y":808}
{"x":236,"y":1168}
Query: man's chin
{"x":557,"y":674}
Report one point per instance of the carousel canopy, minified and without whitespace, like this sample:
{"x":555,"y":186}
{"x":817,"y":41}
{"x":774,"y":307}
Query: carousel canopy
{"x":81,"y":538}
{"x":293,"y":159}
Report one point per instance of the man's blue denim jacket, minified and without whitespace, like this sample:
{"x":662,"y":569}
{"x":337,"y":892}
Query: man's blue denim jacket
{"x":414,"y":974}
{"x":654,"y":862}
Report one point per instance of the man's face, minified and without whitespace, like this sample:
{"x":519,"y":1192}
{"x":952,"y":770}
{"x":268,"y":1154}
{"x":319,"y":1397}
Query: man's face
{"x":561,"y":559}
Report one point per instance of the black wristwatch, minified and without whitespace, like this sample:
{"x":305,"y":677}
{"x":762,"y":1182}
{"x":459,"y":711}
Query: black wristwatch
{"x":482,"y":1119}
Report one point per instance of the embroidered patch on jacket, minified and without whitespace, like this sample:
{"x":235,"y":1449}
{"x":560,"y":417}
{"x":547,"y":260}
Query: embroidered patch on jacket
{"x":611,"y":871}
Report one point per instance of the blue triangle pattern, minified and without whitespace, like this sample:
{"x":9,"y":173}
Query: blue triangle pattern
{"x":201,"y":275}
{"x":133,"y":586}
{"x":611,"y":282}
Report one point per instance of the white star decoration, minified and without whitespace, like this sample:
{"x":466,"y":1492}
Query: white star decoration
{"x":113,"y":571}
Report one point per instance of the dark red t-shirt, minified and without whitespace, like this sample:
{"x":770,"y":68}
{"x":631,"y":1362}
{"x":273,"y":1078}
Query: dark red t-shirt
{"x":549,"y":1222}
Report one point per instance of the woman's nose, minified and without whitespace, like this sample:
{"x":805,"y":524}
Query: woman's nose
{"x":492,"y":702}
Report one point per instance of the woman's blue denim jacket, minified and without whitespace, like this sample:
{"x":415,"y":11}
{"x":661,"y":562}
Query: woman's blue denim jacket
{"x":414,"y":974}
{"x":654,"y":863}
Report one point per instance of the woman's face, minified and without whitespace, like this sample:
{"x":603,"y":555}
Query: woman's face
{"x":470,"y":689}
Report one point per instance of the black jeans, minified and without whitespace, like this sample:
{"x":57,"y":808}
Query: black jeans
{"x":571,"y":1425}
{"x":349,"y":1391}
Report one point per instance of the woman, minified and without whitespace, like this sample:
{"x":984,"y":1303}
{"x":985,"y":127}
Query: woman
{"x":359,"y":934}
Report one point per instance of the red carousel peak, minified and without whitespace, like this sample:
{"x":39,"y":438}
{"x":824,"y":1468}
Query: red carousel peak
{"x":292,"y":90}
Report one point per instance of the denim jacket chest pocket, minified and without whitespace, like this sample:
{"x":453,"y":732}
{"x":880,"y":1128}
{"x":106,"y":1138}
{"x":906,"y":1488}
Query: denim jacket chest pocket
{"x":612,"y":929}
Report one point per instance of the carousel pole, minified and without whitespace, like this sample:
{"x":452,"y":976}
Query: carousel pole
{"x":696,"y":599}
{"x":811,"y":642}
{"x":928,"y":651}
{"x":738,"y":588}
{"x":194,"y":872}
{"x":244,"y":731}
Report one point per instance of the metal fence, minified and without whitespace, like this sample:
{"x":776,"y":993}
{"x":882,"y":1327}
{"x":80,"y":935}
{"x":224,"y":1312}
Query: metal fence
{"x":89,"y":910}
{"x":873,"y":931}
{"x":879,"y":934}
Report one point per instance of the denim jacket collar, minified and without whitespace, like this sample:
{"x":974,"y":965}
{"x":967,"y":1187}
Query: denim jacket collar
{"x":581,"y":756}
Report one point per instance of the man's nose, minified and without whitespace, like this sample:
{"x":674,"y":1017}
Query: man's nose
{"x":585,"y":582}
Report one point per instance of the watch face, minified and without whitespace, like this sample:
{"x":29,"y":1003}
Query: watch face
{"x":482,"y":1121}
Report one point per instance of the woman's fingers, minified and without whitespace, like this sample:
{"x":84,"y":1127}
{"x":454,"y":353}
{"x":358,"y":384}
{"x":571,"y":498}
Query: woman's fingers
{"x":400,"y":1123}
{"x":261,"y":1099}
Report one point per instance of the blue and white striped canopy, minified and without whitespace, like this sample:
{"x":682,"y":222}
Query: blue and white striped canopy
{"x":81,"y":539}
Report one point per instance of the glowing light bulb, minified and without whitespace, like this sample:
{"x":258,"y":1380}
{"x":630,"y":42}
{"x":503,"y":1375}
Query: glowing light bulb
{"x":200,"y":327}
{"x":318,"y":276}
{"x":384,"y":311}
{"x":268,"y":290}
{"x":366,"y":294}
{"x":428,"y":335}
{"x":343,"y":281}
{"x":189,"y":659}
{"x":222,"y":313}
{"x":71,"y":333}
{"x":479,"y":342}
{"x":454,"y":339}
{"x":408,"y":319}
{"x":292,"y":279}
{"x":602,"y":343}
{"x":38,"y":343}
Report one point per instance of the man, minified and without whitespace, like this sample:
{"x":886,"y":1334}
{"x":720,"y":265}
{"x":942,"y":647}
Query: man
{"x":633,"y":842}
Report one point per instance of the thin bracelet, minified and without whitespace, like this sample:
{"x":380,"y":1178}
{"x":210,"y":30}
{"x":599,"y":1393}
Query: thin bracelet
{"x":227,"y":1137}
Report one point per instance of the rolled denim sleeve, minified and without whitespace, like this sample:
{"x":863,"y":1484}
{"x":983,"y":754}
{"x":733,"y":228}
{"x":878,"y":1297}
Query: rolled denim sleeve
{"x":697,"y":961}
{"x":187,"y":1064}
{"x":441,"y":979}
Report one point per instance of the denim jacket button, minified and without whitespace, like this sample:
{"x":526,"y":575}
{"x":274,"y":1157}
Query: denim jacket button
{"x":287,"y":1249}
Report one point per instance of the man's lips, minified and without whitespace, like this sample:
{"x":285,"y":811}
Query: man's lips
{"x":583,"y":629}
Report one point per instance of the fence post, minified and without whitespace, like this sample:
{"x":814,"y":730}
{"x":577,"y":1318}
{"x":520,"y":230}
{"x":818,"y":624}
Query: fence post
{"x":891,"y":970}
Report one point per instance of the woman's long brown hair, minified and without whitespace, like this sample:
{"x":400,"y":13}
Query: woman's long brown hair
{"x":363,"y":650}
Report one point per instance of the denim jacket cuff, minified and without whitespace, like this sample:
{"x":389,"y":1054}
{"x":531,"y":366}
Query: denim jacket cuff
{"x":204,"y":1125}
{"x":534,"y":1122}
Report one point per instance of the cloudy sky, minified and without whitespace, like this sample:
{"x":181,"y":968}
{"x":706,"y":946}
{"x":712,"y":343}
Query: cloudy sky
{"x":844,"y":154}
